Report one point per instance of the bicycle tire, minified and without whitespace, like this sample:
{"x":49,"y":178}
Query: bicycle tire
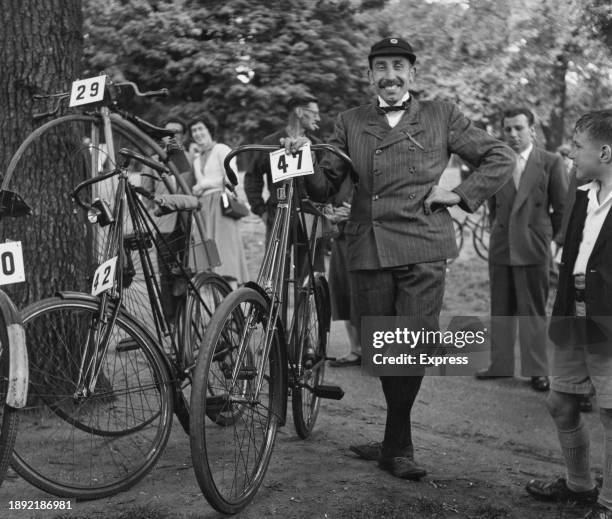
{"x":117,"y":434}
{"x":313,"y":315}
{"x":9,"y":417}
{"x":192,"y":321}
{"x":458,"y":227}
{"x":68,"y":145}
{"x":228,"y":471}
{"x":480,"y":236}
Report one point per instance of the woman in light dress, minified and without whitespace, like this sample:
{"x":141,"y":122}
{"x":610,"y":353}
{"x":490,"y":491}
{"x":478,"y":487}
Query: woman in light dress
{"x":209,"y":185}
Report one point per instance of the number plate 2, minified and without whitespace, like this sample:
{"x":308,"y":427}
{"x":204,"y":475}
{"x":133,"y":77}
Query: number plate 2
{"x":284,"y":166}
{"x":85,"y":91}
{"x":11,"y":263}
{"x":104,"y":278}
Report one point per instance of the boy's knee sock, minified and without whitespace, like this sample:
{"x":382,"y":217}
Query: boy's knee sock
{"x":605,"y":495}
{"x":575,"y":448}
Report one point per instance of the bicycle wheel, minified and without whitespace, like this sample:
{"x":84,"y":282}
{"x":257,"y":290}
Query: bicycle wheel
{"x":480,"y":235}
{"x":8,"y":414}
{"x":74,"y":149}
{"x":458,"y":226}
{"x":230,"y":462}
{"x":312,"y":326}
{"x":208,"y":291}
{"x":90,"y":446}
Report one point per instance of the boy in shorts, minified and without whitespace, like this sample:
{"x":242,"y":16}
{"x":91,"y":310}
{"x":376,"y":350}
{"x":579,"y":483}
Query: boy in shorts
{"x":580,"y":328}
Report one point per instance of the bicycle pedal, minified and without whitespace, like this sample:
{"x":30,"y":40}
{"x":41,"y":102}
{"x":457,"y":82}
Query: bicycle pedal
{"x":127,"y":345}
{"x":217,"y":404}
{"x":330,"y":392}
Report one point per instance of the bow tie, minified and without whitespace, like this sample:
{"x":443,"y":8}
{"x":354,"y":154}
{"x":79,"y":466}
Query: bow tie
{"x":397,"y":108}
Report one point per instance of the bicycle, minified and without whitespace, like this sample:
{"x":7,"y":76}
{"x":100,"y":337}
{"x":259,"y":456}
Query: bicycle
{"x":13,"y":352}
{"x":254,"y":357}
{"x":478,"y":225}
{"x":76,"y":147}
{"x":104,"y":388}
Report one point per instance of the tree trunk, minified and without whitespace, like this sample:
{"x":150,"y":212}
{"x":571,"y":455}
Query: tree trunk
{"x":41,"y":47}
{"x":556,"y":125}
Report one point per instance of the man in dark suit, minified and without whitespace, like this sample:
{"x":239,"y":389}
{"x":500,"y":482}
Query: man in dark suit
{"x":302,"y":120}
{"x":582,"y":323}
{"x":400,"y":232}
{"x":526,"y":216}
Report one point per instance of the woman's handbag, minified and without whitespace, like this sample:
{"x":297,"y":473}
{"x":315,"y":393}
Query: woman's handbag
{"x":232,"y":206}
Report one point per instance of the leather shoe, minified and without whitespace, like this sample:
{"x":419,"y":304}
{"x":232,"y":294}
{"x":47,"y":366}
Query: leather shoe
{"x":487,"y":374}
{"x":368,"y":451}
{"x":599,"y":512}
{"x":404,"y":468}
{"x":343,"y":362}
{"x":559,"y":492}
{"x":540,"y":383}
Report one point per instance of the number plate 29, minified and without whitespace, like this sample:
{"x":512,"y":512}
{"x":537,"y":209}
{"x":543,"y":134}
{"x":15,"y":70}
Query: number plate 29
{"x":85,"y":91}
{"x":104,"y":277}
{"x":11,"y":263}
{"x":284,"y":166}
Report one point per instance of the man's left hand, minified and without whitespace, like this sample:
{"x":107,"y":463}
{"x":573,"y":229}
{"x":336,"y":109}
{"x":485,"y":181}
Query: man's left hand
{"x":440,"y":196}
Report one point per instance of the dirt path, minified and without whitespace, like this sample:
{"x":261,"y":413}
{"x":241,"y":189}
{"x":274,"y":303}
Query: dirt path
{"x":479,"y":441}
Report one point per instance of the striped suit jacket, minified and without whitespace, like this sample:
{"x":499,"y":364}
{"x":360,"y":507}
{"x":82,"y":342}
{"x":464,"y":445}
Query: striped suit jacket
{"x":395,"y":169}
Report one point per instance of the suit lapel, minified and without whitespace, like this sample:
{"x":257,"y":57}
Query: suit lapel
{"x":408,"y":126}
{"x":604,"y":234}
{"x":529,"y":178}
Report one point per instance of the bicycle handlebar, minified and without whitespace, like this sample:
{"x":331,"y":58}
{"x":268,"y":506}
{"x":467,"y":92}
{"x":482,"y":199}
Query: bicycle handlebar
{"x":110,"y":86}
{"x":231,"y":175}
{"x":86,"y":183}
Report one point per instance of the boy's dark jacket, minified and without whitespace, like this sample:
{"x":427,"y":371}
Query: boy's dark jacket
{"x":598,"y":291}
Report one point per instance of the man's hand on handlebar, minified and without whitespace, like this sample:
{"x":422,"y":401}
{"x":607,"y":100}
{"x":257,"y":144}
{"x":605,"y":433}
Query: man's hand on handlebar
{"x":293,"y":144}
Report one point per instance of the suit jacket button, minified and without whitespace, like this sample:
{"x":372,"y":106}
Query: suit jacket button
{"x":375,"y":197}
{"x":378,"y":151}
{"x":411,"y":195}
{"x":412,"y":169}
{"x":376,"y":172}
{"x":376,"y":223}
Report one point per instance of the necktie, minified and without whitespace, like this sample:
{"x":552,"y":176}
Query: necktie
{"x":395,"y":108}
{"x":518,"y":170}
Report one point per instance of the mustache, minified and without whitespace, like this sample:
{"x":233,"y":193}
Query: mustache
{"x":383,"y":83}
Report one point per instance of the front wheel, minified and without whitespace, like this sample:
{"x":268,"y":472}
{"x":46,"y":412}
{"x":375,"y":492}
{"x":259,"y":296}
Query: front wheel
{"x":95,"y":443}
{"x":231,"y":452}
{"x":309,"y":347}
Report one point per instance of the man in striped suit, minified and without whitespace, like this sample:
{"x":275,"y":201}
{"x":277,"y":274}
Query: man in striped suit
{"x":400,"y":232}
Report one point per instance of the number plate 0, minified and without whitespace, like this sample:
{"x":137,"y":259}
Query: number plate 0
{"x":85,"y":91}
{"x":11,"y":263}
{"x":284,"y":166}
{"x":104,"y":277}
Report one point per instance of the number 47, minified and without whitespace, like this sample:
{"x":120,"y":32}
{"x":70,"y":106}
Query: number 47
{"x":282,"y":162}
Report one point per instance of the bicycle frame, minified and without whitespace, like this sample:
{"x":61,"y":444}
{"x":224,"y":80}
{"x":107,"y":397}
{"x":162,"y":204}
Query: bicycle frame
{"x":144,"y":226}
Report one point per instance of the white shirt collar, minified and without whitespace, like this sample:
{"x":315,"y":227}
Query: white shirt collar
{"x":382,"y":102}
{"x":526,"y":152}
{"x":593,"y":188}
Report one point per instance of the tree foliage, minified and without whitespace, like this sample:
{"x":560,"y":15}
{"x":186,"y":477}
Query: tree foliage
{"x":239,"y":60}
{"x":488,"y":54}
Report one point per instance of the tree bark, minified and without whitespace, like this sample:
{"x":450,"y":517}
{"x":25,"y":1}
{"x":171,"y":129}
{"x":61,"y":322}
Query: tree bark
{"x":41,"y":48}
{"x":554,"y":131}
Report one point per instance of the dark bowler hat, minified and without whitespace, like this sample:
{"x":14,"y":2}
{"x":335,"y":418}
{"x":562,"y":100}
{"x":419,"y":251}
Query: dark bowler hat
{"x":392,"y":47}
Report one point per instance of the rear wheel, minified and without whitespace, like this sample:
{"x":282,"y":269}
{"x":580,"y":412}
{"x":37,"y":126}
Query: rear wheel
{"x":89,"y":446}
{"x":230,"y":462}
{"x":8,"y":415}
{"x":209,"y":291}
{"x":310,"y":343}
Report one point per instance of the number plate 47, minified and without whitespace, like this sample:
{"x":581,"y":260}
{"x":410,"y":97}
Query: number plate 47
{"x":104,"y":278}
{"x":284,"y":166}
{"x":85,"y":91}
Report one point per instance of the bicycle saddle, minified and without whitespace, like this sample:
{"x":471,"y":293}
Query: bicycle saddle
{"x":11,"y":204}
{"x":155,"y":132}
